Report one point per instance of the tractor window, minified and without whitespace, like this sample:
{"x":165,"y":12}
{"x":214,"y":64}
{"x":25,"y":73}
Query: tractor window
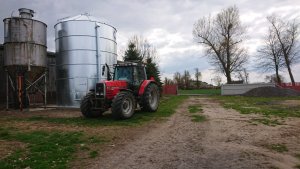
{"x":138,"y":75}
{"x":141,"y":73}
{"x":123,"y":73}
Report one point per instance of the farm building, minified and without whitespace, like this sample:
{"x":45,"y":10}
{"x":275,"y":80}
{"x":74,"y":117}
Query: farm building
{"x":51,"y":88}
{"x":28,"y":72}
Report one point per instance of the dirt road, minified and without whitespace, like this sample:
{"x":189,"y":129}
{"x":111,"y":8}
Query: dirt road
{"x":227,"y":139}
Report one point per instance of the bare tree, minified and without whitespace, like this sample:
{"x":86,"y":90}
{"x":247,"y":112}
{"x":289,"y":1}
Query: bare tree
{"x":198,"y":76}
{"x":287,"y":33}
{"x":273,"y":78}
{"x":168,"y":81}
{"x":145,"y":48}
{"x":177,"y":78}
{"x":222,"y":37}
{"x":217,"y":80}
{"x":186,"y":79}
{"x":269,"y":56}
{"x":243,"y":75}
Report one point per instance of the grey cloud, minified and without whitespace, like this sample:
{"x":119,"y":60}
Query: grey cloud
{"x":180,"y":61}
{"x":140,"y":16}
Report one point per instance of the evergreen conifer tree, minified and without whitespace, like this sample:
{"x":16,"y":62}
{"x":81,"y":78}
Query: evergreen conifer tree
{"x":132,"y":54}
{"x":153,"y":71}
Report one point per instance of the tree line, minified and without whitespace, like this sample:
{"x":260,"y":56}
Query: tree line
{"x":223,"y":36}
{"x":185,"y":80}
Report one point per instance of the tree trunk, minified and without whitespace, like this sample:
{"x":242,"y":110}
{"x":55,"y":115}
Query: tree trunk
{"x":277,"y":74}
{"x":228,"y":76}
{"x":291,"y":75}
{"x":287,"y":62}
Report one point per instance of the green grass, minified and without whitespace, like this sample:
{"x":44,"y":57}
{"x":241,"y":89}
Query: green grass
{"x":267,"y":121}
{"x":198,"y":118}
{"x":55,"y":149}
{"x":297,"y":156}
{"x":166,"y":108}
{"x":277,"y":147}
{"x":195,"y":108}
{"x":265,"y":106}
{"x":43,"y":149}
{"x":46,"y":149}
{"x":93,"y":154}
{"x":201,"y":91}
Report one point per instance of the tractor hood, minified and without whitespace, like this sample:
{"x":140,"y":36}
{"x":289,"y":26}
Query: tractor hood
{"x":114,"y":87}
{"x":116,"y":84}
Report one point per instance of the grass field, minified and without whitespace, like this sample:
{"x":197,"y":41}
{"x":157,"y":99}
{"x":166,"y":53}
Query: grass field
{"x":166,"y":108}
{"x":201,"y":91}
{"x":56,"y":148}
{"x":44,"y":150}
{"x":273,"y":109}
{"x":276,"y":106}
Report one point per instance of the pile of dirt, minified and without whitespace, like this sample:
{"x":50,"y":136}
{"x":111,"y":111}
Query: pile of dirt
{"x":271,"y":92}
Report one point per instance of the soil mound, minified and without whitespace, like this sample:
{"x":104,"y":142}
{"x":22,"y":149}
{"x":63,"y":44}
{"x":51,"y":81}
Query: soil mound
{"x":271,"y":92}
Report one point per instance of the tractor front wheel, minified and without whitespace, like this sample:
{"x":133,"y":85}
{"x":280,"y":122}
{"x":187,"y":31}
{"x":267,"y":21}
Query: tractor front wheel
{"x":123,"y":105}
{"x":150,"y":99}
{"x":87,"y":105}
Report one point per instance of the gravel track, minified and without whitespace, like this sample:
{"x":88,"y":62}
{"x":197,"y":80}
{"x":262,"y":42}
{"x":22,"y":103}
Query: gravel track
{"x":226,"y":139}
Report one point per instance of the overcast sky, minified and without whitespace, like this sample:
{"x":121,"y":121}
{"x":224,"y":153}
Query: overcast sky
{"x":167,"y":24}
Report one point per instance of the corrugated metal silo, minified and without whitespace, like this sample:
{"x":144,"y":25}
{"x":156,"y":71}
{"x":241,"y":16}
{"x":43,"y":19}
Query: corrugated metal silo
{"x":83,"y":46}
{"x":25,"y":52}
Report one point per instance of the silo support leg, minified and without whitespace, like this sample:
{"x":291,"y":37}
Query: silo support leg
{"x":7,"y":90}
{"x":20,"y":92}
{"x":45,"y":100}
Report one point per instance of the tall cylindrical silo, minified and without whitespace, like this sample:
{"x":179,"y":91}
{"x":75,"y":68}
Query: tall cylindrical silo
{"x":25,"y":52}
{"x":84,"y":45}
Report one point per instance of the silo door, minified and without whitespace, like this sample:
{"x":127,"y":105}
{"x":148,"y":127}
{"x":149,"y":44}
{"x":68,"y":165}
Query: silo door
{"x":81,"y":87}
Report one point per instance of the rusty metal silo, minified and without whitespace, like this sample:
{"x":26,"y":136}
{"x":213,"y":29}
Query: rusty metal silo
{"x":25,"y":52}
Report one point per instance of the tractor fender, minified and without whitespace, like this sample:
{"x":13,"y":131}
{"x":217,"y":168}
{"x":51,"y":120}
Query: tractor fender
{"x":144,"y":85}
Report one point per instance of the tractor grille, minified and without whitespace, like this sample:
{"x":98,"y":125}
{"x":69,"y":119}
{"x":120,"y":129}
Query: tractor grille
{"x":100,"y":89}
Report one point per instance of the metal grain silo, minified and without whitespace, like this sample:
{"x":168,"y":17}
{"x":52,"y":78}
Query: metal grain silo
{"x":84,"y":46}
{"x":25,"y":52}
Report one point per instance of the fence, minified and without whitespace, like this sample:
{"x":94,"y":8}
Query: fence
{"x":170,"y":90}
{"x":296,"y":86}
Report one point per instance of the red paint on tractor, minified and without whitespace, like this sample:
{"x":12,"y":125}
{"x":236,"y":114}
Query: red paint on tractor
{"x":144,"y":85}
{"x":114,"y":87}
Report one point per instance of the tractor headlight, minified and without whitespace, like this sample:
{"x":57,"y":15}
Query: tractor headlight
{"x":100,"y":89}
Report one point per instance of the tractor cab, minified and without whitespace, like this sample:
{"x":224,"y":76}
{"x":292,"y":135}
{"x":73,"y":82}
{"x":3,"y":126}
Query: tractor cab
{"x":133,"y":73}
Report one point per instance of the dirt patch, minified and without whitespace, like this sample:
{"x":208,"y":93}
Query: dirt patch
{"x":226,"y":139}
{"x":50,"y":112}
{"x":232,"y":133}
{"x":271,"y":92}
{"x":292,"y":103}
{"x":8,"y":147}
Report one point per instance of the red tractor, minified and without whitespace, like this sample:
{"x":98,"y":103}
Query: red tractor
{"x":128,"y":88}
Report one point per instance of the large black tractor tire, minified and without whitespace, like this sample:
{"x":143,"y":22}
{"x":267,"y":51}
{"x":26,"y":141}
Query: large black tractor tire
{"x":86,"y":106}
{"x":150,"y":98}
{"x":123,"y":105}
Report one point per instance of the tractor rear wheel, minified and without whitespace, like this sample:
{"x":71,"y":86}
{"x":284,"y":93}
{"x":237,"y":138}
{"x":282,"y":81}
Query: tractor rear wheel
{"x":86,"y":106}
{"x":150,"y":99}
{"x":123,"y":105}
